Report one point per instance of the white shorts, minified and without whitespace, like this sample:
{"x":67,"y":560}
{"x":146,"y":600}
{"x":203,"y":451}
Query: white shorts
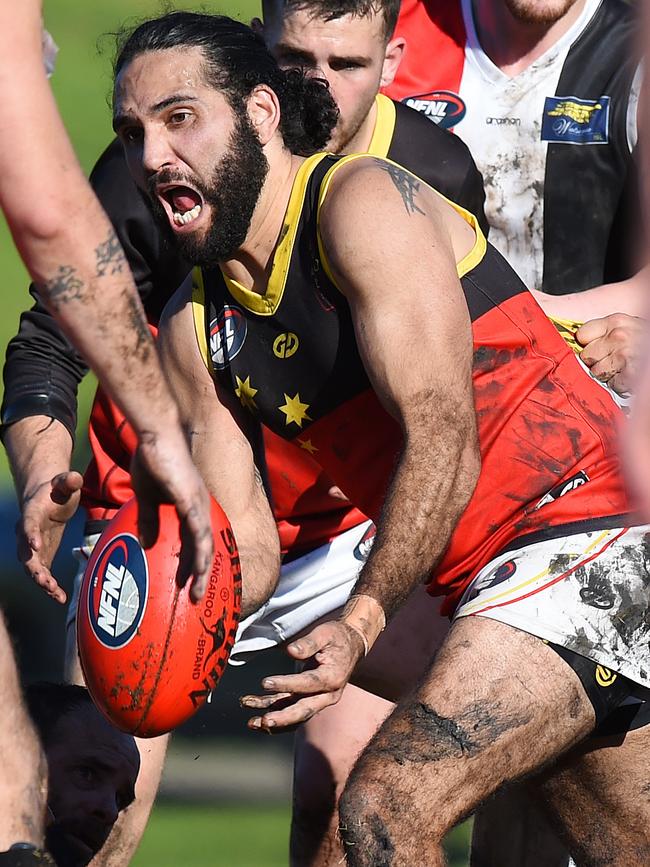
{"x":588,"y":592}
{"x":310,"y":587}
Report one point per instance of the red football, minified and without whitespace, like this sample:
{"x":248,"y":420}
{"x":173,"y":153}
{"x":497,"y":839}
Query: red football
{"x":150,"y":656}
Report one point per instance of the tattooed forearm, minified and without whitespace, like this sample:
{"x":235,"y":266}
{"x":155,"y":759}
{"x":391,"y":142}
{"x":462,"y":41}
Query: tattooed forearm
{"x":407,"y":186}
{"x":137,"y":321}
{"x":110,"y":256}
{"x":63,"y":287}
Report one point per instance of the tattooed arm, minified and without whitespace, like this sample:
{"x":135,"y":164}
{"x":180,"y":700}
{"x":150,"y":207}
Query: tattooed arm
{"x":392,"y":245}
{"x":71,"y":252}
{"x":224,"y":443}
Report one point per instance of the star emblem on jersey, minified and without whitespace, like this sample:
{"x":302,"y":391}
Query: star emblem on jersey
{"x":295,"y":410}
{"x":246,"y":393}
{"x":308,"y":446}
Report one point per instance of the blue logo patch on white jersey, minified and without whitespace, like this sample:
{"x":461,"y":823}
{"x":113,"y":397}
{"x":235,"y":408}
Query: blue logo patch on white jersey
{"x":569,"y":120}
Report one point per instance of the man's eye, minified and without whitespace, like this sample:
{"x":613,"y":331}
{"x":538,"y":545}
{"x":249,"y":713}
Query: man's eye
{"x":179,"y":117}
{"x":86,"y":774}
{"x":340,"y":65}
{"x":130,"y":135}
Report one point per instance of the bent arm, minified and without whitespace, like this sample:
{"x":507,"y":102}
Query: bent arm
{"x":427,"y":385}
{"x":220,"y":441}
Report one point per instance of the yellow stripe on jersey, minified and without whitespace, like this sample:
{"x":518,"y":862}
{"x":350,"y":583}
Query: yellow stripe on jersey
{"x":567,"y":329}
{"x":463,"y":267}
{"x":198,"y":314}
{"x":382,"y":135}
{"x":267,"y":304}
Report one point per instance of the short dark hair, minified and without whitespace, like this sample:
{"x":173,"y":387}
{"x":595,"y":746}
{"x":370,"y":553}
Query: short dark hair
{"x":48,"y":702}
{"x":236,"y":62}
{"x":328,"y":10}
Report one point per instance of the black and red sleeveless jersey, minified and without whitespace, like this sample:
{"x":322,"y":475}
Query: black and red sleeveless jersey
{"x":306,"y":514}
{"x":291,"y":359}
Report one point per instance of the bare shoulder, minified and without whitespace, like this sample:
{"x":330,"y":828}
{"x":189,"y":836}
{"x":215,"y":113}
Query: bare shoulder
{"x":369,"y":181}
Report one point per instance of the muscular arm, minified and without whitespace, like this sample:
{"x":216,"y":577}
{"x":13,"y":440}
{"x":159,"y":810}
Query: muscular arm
{"x":220,"y":446}
{"x":416,"y":305}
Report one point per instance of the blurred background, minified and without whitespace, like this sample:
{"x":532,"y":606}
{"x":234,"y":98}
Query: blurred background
{"x":226,"y":792}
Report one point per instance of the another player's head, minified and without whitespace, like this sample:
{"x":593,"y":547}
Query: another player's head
{"x":92,"y":770}
{"x":348,"y":42}
{"x":202,"y":108}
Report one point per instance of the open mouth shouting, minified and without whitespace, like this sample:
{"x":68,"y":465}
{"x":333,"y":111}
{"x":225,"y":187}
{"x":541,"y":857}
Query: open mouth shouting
{"x":182,"y":204}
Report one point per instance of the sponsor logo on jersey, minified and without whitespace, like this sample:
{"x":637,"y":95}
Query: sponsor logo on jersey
{"x":227,"y":336}
{"x":563,"y":488}
{"x":285,"y":345}
{"x":500,"y":121}
{"x":569,"y":120}
{"x":365,"y":544}
{"x":443,"y":107}
{"x":118,"y":590}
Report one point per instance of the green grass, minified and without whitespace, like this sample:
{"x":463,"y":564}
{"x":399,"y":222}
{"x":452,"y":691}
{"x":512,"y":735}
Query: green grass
{"x":201,"y":836}
{"x":82,"y":83}
{"x":220,"y":836}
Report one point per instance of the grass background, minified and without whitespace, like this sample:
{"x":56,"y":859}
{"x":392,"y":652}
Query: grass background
{"x":187,"y":834}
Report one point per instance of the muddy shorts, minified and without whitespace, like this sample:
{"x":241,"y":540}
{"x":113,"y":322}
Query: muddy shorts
{"x":588,"y":596}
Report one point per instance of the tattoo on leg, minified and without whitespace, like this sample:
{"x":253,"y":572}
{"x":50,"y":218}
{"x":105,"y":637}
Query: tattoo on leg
{"x":407,"y":186}
{"x":110,"y":257}
{"x":63,"y":287}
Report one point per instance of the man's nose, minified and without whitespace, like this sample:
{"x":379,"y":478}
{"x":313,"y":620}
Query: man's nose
{"x":156,"y":153}
{"x":105,"y":807}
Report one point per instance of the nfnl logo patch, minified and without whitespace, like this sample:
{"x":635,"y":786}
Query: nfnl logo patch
{"x":227,"y":336}
{"x":118,"y":591}
{"x":569,"y":120}
{"x":441,"y":106}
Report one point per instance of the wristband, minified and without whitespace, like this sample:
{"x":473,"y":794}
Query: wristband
{"x":366,"y":617}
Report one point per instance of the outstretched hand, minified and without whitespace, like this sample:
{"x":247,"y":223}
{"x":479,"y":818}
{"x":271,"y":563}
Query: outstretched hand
{"x":162,"y":472}
{"x":331,"y":652}
{"x":45,"y":513}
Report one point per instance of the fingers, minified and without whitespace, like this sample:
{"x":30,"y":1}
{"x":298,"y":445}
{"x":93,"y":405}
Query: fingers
{"x":592,"y":330}
{"x":41,"y":575}
{"x":148,"y":520}
{"x":309,"y":682}
{"x":199,"y":526}
{"x":303,"y":710}
{"x":65,"y":486}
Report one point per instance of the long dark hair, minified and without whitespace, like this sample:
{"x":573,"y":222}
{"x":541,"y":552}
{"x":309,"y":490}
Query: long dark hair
{"x":237,"y":61}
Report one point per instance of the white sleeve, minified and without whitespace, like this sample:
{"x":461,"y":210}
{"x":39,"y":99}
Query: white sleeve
{"x":632,"y":106}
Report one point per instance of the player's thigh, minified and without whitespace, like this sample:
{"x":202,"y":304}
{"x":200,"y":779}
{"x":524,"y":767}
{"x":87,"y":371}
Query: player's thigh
{"x":600,"y":793}
{"x":328,"y":745}
{"x":326,"y":748}
{"x":496,"y":705}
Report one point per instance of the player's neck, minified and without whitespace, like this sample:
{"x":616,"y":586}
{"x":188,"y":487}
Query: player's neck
{"x":360,"y":143}
{"x":251,"y":266}
{"x":513,"y":45}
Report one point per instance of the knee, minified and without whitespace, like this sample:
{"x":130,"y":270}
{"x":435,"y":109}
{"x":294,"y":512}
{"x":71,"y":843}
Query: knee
{"x":374,"y":808}
{"x":364,"y":833}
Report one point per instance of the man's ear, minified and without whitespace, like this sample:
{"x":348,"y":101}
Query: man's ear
{"x":392,"y":59}
{"x":264,"y":112}
{"x":257,"y":26}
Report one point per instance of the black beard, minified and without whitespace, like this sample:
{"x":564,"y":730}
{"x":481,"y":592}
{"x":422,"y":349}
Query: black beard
{"x":232,"y":193}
